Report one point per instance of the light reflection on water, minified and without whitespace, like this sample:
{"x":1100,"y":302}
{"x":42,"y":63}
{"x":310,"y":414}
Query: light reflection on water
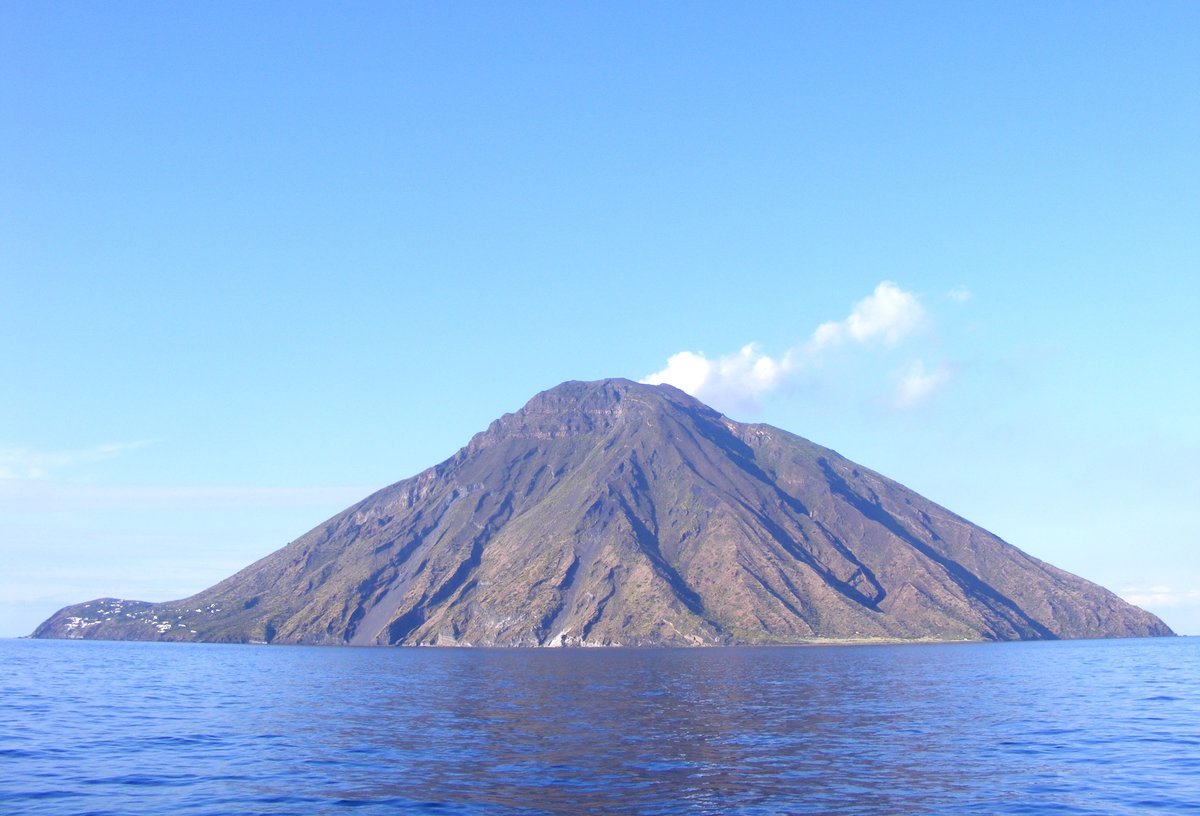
{"x":1078,"y":727}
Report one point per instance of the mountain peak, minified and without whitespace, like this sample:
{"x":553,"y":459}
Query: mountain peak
{"x":581,"y":406}
{"x":604,"y":394}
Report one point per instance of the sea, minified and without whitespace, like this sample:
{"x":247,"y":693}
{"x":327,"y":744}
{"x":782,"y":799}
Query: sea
{"x":1070,"y":727}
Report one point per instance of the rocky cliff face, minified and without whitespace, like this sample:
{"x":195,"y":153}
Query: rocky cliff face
{"x":614,"y":513}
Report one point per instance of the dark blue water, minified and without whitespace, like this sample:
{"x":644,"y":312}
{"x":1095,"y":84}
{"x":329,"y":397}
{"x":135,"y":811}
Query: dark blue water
{"x":142,"y":728}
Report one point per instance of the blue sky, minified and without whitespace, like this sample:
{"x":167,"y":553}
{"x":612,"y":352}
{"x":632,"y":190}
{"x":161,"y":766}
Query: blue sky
{"x":258,"y":260}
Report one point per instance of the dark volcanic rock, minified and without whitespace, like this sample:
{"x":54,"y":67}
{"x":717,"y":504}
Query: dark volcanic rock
{"x":614,"y":513}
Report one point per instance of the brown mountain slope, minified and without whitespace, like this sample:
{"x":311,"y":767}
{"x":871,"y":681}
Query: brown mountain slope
{"x":614,"y":513}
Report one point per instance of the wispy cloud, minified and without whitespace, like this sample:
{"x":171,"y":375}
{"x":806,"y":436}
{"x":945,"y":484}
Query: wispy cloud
{"x":740,"y":380}
{"x":917,"y":384}
{"x":959,"y":294}
{"x":23,"y":496}
{"x":25,"y":463}
{"x":1161,"y":597}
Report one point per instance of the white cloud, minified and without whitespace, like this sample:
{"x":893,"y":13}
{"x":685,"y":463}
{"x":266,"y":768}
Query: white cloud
{"x":23,"y":463}
{"x":917,"y":384}
{"x":687,"y":371}
{"x":736,"y":380}
{"x":740,"y":380}
{"x":889,"y":313}
{"x":959,"y":294}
